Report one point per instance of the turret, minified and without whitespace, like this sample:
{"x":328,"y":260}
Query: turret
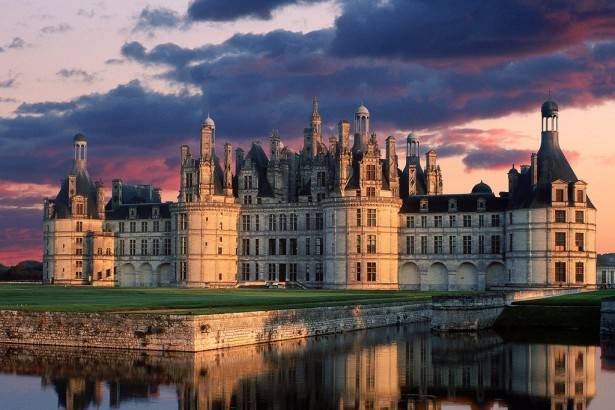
{"x":275,"y":145}
{"x":361,"y":129}
{"x":513,"y":178}
{"x":208,"y":139}
{"x":100,"y":200}
{"x":80,"y":152}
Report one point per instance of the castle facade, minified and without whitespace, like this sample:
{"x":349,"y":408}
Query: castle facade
{"x":337,"y":214}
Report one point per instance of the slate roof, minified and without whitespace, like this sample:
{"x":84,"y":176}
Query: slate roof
{"x":465,"y":203}
{"x":144,"y":211}
{"x":84,"y":187}
{"x":421,"y":183}
{"x":260,"y":162}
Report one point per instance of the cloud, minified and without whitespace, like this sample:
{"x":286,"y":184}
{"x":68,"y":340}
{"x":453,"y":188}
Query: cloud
{"x":17,"y":43}
{"x":224,"y":10}
{"x":155,"y":18}
{"x":7,"y":100}
{"x":114,"y":61}
{"x":86,"y":13}
{"x":60,"y":28}
{"x":1,"y":50}
{"x":76,"y":74}
{"x":9,"y":82}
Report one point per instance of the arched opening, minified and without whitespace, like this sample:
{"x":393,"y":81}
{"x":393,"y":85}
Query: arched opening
{"x":438,"y":277}
{"x":496,"y":274}
{"x":144,"y":277}
{"x":164,"y":274}
{"x":127,"y":275}
{"x":467,"y":277}
{"x":409,"y":276}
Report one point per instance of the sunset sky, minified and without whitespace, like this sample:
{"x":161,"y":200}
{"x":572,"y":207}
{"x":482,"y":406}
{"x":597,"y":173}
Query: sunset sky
{"x":138,"y":77}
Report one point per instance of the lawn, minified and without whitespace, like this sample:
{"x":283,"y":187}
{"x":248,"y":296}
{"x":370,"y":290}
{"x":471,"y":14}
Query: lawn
{"x":189,"y":301}
{"x":577,"y":299}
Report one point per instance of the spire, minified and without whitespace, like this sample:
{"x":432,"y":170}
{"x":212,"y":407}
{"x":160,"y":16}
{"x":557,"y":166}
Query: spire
{"x":314,"y":105}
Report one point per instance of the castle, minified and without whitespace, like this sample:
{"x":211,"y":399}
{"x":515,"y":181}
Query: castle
{"x":333,"y":215}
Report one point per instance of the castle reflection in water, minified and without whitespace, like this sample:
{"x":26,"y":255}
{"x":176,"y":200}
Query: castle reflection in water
{"x":389,"y":368}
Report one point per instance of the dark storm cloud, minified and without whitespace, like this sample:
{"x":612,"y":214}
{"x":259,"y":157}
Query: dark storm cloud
{"x":155,"y":18}
{"x":229,"y":10}
{"x":449,"y":29}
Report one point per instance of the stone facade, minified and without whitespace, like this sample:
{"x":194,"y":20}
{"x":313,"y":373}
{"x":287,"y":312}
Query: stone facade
{"x":333,"y":215}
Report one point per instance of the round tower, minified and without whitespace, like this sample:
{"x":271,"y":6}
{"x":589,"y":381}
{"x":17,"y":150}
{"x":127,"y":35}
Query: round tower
{"x":80,"y":151}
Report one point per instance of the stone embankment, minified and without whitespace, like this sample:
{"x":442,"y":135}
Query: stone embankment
{"x":464,"y":313}
{"x":607,"y":317}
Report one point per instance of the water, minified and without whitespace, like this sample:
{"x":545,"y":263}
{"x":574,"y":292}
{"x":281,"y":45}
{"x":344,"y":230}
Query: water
{"x":388,"y":368}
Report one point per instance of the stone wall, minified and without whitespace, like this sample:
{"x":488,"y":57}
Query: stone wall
{"x":463,"y":313}
{"x":607,"y":317}
{"x":201,"y":332}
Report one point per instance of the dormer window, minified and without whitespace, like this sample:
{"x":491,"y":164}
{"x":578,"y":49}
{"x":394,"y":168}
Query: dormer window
{"x":132,"y":213}
{"x":482,"y":204}
{"x":452,"y":205}
{"x":155,"y":212}
{"x":559,"y":195}
{"x":424,"y":205}
{"x":580,"y":196}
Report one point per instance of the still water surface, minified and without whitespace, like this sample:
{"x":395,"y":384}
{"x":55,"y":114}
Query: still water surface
{"x":389,"y":368}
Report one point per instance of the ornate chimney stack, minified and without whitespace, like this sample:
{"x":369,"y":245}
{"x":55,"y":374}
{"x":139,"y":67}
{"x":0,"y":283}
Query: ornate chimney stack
{"x":228,"y":175}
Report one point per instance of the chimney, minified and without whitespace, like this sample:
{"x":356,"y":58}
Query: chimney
{"x":344,"y":134}
{"x":100,"y":200}
{"x":116,"y":193}
{"x":184,"y":153}
{"x":238,"y":160}
{"x":228,"y":175}
{"x":534,"y":169}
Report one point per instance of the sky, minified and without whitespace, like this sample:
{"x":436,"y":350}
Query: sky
{"x":138,"y":77}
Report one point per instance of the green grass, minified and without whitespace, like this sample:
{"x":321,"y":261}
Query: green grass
{"x":188,"y":301}
{"x":578,"y":299}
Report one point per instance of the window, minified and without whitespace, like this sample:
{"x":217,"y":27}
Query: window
{"x":307,"y":272}
{"x":283,"y":223}
{"x":580,"y":196}
{"x":559,"y":195}
{"x":371,"y":243}
{"x":359,"y":245}
{"x":307,"y":222}
{"x":79,"y":227}
{"x":452,"y":221}
{"x":122,"y":245}
{"x":245,"y":246}
{"x":247,"y":182}
{"x":271,"y":246}
{"x":319,"y":272}
{"x":293,"y":222}
{"x":452,"y":244}
{"x":467,"y":221}
{"x":256,"y":272}
{"x":247,"y":199}
{"x":319,"y":246}
{"x":321,"y":179}
{"x":220,"y":250}
{"x":410,"y":245}
{"x":359,"y":271}
{"x":272,"y":222}
{"x":121,"y":226}
{"x":481,"y":244}
{"x":307,"y":246}
{"x":510,"y":242}
{"x":579,"y":272}
{"x":293,"y":246}
{"x":371,"y":271}
{"x":156,"y":226}
{"x":271,"y":271}
{"x":132,"y":247}
{"x":167,"y":226}
{"x":257,"y":246}
{"x":245,"y":271}
{"x":371,"y":217}
{"x":579,"y":217}
{"x":560,"y":216}
{"x":183,"y":245}
{"x":423,"y":221}
{"x":437,"y":221}
{"x":133,"y":227}
{"x":183,"y":222}
{"x":467,"y":244}
{"x":371,"y":191}
{"x":257,"y":222}
{"x":495,"y":244}
{"x":409,"y":221}
{"x":167,"y":246}
{"x":510,"y":218}
{"x":292,"y":271}
{"x":495,"y":220}
{"x":560,"y":241}
{"x":423,"y":244}
{"x":319,"y":221}
{"x":156,"y":247}
{"x":359,"y":214}
{"x":144,"y":226}
{"x":371,"y":172}
{"x":282,"y":247}
{"x":245,"y":222}
{"x":481,"y":220}
{"x":579,"y":241}
{"x":437,"y":244}
{"x":560,"y":271}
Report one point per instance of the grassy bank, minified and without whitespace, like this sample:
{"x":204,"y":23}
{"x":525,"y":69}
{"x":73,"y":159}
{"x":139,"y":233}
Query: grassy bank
{"x":191,"y":301}
{"x":573,"y":312}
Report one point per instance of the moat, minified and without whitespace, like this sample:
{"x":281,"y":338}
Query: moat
{"x":387,"y":368}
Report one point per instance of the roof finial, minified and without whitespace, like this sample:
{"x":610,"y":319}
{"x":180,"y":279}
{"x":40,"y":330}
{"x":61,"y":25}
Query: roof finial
{"x":315,"y":105}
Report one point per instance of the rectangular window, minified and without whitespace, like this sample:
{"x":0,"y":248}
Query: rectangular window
{"x":167,"y":246}
{"x":409,"y":221}
{"x":579,"y":272}
{"x":560,"y":216}
{"x":307,"y":222}
{"x":371,"y":191}
{"x":467,"y":244}
{"x":271,"y":271}
{"x":282,"y":247}
{"x":359,"y":219}
{"x":437,"y":244}
{"x":167,"y":226}
{"x":132,"y":247}
{"x":495,"y":220}
{"x":423,"y":221}
{"x":371,"y":172}
{"x":245,"y":271}
{"x":293,"y":222}
{"x":437,"y":221}
{"x":271,"y":246}
{"x":307,"y":246}
{"x":183,"y":243}
{"x":245,"y":223}
{"x":257,"y":223}
{"x":371,"y":217}
{"x":307,"y":272}
{"x":579,"y":217}
{"x":481,"y":220}
{"x":122,"y":245}
{"x":319,"y":246}
{"x":144,"y":226}
{"x":452,"y":221}
{"x":319,"y":272}
{"x":580,"y":196}
{"x":293,"y":246}
{"x":359,"y":244}
{"x":452,"y":245}
{"x":560,"y":271}
{"x":371,"y":271}
{"x":560,"y":241}
{"x":579,"y":241}
{"x":256,"y":272}
{"x":257,"y":246}
{"x":371,"y":243}
{"x":122,"y":226}
{"x":410,"y":245}
{"x":156,"y":226}
{"x":481,"y":244}
{"x":245,"y":246}
{"x":510,"y":242}
{"x":272,"y":222}
{"x":79,"y":226}
{"x":183,"y":221}
{"x":156,"y":247}
{"x":467,"y":221}
{"x":283,"y":223}
{"x":292,"y":271}
{"x":559,"y":195}
{"x":495,"y":244}
{"x":358,"y":271}
{"x":423,"y":244}
{"x":319,"y":221}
